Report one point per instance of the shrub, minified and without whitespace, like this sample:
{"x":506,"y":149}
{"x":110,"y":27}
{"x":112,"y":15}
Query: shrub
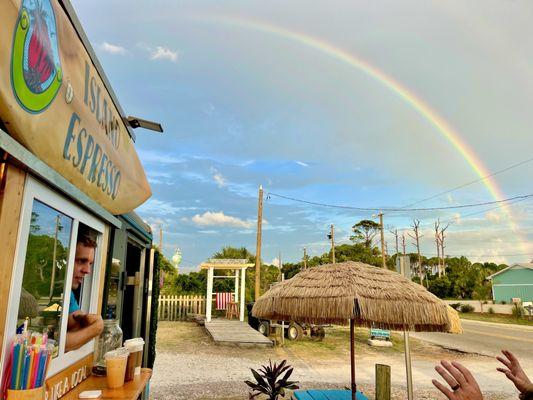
{"x":503,"y":302}
{"x":467,"y":308}
{"x":518,"y":311}
{"x":455,"y":306}
{"x":491,"y":310}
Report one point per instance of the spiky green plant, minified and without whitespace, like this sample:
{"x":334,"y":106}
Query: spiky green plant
{"x":272,"y":380}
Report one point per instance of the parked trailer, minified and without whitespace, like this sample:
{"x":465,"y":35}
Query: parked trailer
{"x":292,"y":330}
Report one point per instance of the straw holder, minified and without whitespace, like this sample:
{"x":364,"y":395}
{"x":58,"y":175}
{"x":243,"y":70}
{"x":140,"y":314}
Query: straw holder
{"x":30,"y":394}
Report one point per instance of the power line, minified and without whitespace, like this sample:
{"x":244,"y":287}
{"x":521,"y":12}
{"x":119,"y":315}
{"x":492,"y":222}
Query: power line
{"x":400,"y":209}
{"x":471,"y":182}
{"x":480,"y":255}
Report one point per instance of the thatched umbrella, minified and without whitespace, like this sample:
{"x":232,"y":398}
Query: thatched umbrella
{"x":359,"y":293}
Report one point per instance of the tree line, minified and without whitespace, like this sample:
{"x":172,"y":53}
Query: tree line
{"x":445,"y":276}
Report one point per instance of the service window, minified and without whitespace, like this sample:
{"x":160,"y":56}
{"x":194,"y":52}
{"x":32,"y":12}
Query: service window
{"x":56,"y":272}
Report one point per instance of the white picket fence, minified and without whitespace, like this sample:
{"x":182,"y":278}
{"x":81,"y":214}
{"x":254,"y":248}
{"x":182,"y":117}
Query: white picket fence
{"x":175,"y":308}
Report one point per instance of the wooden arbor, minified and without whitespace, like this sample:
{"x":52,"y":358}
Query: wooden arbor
{"x":226,"y":264}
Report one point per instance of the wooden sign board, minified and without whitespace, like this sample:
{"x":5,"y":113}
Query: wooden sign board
{"x":53,"y":101}
{"x":60,"y":384}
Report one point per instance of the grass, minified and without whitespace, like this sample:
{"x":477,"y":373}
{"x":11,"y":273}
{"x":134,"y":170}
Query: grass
{"x":499,"y":318}
{"x":338,"y":340}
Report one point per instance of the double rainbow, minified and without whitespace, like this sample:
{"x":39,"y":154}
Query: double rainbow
{"x":440,"y":125}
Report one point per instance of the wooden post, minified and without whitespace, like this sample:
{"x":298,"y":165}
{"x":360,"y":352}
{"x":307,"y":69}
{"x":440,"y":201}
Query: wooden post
{"x":243,"y":293}
{"x":305,"y":258}
{"x":352,"y":358}
{"x":209,"y":299}
{"x":237,"y":285}
{"x":383,"y":382}
{"x":258,"y":244}
{"x":408,"y":368}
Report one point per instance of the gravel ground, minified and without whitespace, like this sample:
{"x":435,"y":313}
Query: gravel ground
{"x":190,"y":366}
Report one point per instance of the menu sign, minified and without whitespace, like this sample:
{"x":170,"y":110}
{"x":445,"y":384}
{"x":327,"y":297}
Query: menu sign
{"x":53,"y":101}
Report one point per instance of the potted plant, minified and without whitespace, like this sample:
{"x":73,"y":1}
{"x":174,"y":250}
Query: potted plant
{"x":272,"y":381}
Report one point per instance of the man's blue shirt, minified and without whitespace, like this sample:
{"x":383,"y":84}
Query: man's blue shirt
{"x":73,"y":306}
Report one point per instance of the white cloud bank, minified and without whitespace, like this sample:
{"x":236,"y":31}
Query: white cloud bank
{"x":113,"y":49}
{"x":210,"y":218}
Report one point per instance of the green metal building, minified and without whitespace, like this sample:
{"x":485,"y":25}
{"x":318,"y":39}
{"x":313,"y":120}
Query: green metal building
{"x":515,"y":281}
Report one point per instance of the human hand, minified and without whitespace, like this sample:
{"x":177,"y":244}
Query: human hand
{"x":462,"y":383}
{"x":514,"y":372}
{"x":81,"y":318}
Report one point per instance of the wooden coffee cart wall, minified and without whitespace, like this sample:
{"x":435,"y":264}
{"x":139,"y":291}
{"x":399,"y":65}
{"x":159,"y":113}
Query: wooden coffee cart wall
{"x":67,"y":150}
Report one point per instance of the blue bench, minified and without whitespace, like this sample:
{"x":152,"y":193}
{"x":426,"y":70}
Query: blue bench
{"x":327,"y":395}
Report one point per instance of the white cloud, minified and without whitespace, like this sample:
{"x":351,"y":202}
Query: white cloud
{"x":160,"y":207}
{"x":210,"y":218}
{"x":301,"y":163}
{"x":163,"y":53}
{"x":457,"y":218}
{"x":275,"y":262}
{"x":450,"y":199}
{"x":158,"y":157}
{"x":113,"y":49}
{"x":218,"y":178}
{"x":494,"y":217}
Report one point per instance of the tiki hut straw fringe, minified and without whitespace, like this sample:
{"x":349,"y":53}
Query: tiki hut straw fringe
{"x":336,"y":293}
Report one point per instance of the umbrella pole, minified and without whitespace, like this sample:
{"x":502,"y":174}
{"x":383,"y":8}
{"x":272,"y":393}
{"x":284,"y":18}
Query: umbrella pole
{"x":408,"y":369}
{"x":352,"y":358}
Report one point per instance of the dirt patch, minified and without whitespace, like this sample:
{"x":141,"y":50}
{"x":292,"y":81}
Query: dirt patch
{"x":189,"y":365}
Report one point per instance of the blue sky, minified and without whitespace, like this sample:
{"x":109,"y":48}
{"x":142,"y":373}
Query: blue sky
{"x":242,"y":107}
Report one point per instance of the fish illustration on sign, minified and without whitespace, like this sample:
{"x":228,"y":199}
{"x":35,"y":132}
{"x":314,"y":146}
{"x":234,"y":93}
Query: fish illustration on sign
{"x":36,"y":74}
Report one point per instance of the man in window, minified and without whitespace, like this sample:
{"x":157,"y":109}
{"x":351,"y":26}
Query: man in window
{"x":82,"y":327}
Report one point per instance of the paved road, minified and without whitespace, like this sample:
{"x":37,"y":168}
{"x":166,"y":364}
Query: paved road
{"x":487,"y":339}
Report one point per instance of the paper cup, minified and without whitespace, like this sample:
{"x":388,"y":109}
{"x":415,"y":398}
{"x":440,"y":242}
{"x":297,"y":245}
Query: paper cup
{"x":135,"y":347}
{"x":116,"y":362}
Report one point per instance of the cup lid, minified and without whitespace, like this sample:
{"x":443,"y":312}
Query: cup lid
{"x":117,"y":353}
{"x":134,"y":342}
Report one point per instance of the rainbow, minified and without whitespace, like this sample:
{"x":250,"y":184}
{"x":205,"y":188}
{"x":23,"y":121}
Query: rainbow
{"x":422,"y":108}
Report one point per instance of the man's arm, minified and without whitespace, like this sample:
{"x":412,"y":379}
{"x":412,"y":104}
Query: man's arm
{"x":84,"y":328}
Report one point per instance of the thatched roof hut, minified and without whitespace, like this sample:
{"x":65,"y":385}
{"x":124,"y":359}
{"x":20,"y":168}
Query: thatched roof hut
{"x":337,"y":293}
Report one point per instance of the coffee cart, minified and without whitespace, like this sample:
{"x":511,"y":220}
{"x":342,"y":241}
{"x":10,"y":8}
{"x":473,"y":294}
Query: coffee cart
{"x":67,"y":164}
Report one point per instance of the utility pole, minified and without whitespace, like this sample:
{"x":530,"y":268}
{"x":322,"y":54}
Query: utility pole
{"x":437,"y":242}
{"x":305,"y":258}
{"x":442,"y":247}
{"x":258,"y":244}
{"x":54,"y":257}
{"x":383,"y":256}
{"x":331,"y":236}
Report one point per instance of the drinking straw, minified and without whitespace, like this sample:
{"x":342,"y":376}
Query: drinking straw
{"x":6,"y":383}
{"x":33,"y":360}
{"x":25,"y":370}
{"x":20,"y":354}
{"x":42,"y":368}
{"x":36,"y":366}
{"x":14,"y":365}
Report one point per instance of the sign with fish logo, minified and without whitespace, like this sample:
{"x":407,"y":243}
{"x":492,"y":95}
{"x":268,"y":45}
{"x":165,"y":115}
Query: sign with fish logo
{"x":54,"y":102}
{"x":35,"y":64}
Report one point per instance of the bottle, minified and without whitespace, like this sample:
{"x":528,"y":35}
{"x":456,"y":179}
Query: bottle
{"x":110,"y":339}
